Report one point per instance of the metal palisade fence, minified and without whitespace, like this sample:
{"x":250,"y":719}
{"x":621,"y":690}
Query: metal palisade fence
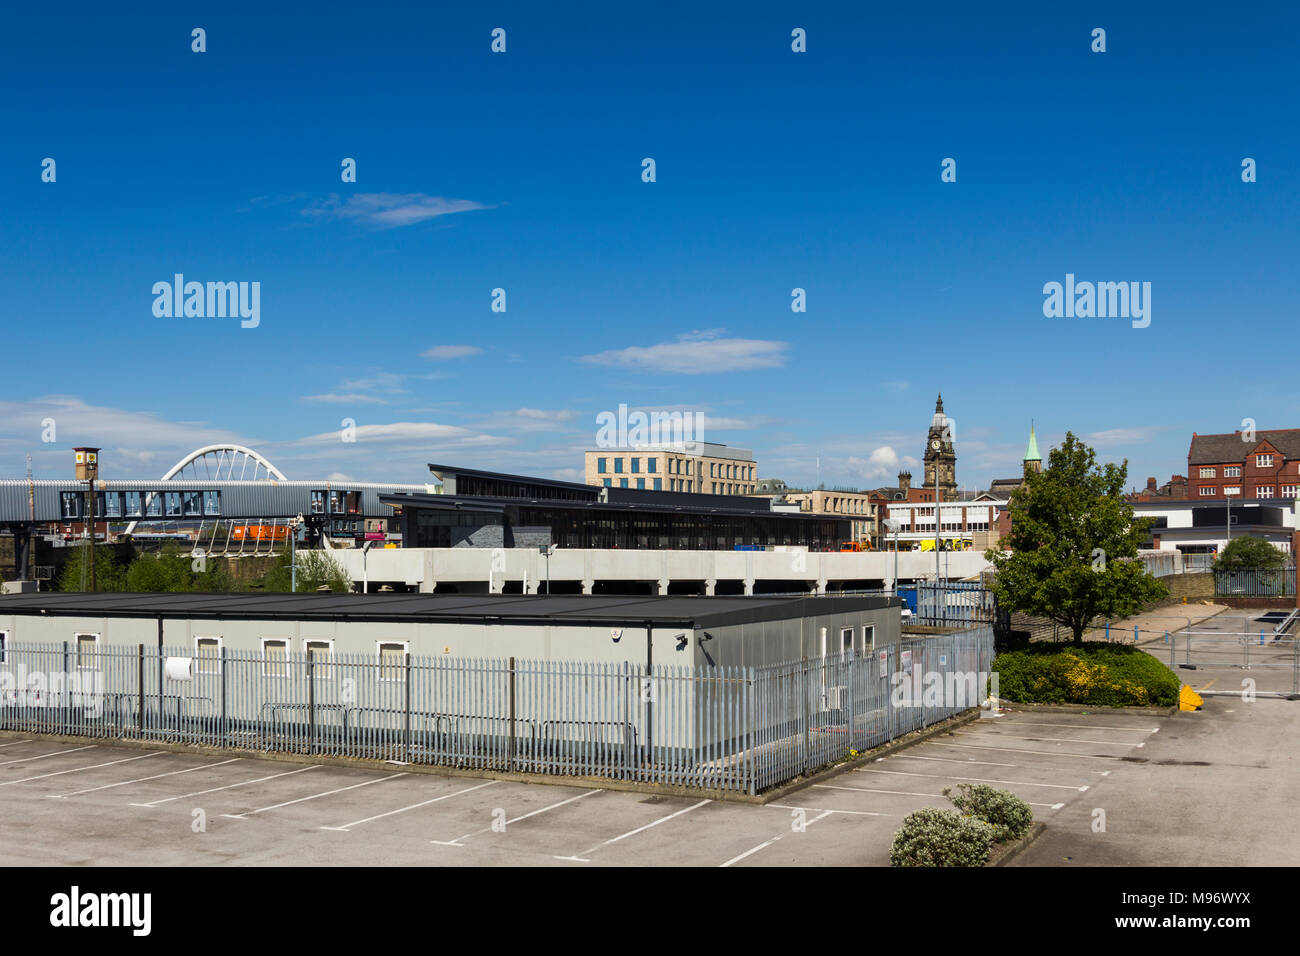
{"x":1256,"y":582}
{"x":954,"y":603}
{"x":739,"y":729}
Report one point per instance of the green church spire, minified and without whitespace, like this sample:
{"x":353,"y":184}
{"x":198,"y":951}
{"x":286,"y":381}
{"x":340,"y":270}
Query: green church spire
{"x":1031,"y":453}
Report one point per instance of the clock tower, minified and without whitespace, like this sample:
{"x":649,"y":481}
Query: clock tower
{"x":939,"y":455}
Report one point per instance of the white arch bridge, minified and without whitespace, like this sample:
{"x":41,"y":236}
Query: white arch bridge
{"x":227,"y":498}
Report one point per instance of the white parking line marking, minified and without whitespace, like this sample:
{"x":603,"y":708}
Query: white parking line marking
{"x":315,"y":796}
{"x":957,"y":776}
{"x":989,"y":763}
{"x":59,"y":773}
{"x":456,"y":842}
{"x":380,"y":816}
{"x":856,"y":813}
{"x":1031,"y":723}
{"x":737,"y":859}
{"x":1063,"y":740}
{"x":1021,"y":750}
{"x":985,"y":763}
{"x":581,"y":857}
{"x":16,"y":743}
{"x":199,"y":793}
{"x":110,"y":786}
{"x":910,"y":793}
{"x":43,"y":756}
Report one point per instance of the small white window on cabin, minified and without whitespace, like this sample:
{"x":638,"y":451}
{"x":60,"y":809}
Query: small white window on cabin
{"x":275,"y":657}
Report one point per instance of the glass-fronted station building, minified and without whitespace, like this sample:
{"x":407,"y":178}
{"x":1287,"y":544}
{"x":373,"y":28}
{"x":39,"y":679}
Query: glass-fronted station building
{"x":489,"y":509}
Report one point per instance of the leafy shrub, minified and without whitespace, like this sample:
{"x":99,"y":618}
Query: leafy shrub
{"x":1095,"y":673}
{"x":1247,"y":553}
{"x":934,"y":837}
{"x":1009,"y":816}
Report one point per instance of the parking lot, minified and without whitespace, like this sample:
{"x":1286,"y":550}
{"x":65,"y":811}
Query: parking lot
{"x":67,"y":803}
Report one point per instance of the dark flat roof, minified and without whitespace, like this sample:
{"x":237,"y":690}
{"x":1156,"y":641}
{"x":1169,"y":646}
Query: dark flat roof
{"x":440,"y":470}
{"x":575,"y":609}
{"x":654,"y":501}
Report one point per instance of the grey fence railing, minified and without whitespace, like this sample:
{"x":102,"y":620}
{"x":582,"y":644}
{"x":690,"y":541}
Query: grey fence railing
{"x":954,"y":603}
{"x":740,"y":729}
{"x":1260,"y":582}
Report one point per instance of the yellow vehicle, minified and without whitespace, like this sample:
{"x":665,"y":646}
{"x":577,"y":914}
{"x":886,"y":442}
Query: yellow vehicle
{"x":927,"y":544}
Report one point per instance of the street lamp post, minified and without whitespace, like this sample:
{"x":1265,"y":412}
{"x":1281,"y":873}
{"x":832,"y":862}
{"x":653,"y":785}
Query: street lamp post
{"x":937,"y":540}
{"x":294,"y":525}
{"x":892,"y":524}
{"x":545,"y":550}
{"x":1228,"y":496}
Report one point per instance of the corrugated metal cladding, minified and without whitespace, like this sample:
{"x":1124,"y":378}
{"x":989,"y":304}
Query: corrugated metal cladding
{"x":39,"y":500}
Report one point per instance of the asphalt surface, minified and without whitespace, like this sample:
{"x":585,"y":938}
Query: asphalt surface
{"x":1215,"y":787}
{"x":82,"y":804}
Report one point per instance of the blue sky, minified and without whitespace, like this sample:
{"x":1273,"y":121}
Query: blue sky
{"x":522,"y":171}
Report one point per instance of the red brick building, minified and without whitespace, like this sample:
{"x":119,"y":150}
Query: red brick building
{"x":1175,"y":489}
{"x":1265,"y":465}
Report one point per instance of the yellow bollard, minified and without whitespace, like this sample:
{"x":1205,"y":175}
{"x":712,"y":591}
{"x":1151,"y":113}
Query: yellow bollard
{"x":1188,"y":699}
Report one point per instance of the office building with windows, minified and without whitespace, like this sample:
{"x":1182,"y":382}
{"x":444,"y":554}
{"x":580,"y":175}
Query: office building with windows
{"x":693,"y":467}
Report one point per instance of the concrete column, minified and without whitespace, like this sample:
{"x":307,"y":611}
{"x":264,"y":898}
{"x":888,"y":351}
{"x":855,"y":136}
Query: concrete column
{"x":663,"y":586}
{"x":821,"y":585}
{"x":749,"y":586}
{"x":710,"y":587}
{"x":587,"y":585}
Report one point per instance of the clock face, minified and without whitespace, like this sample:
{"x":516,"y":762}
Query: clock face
{"x":935,"y":444}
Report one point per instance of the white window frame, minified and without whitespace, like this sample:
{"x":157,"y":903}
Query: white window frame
{"x":1288,"y":491}
{"x":1233,"y":490}
{"x":1206,"y":491}
{"x":869,"y":638}
{"x":198,"y":658}
{"x":77,"y":640}
{"x":1232,"y":471}
{"x":1263,"y":461}
{"x":379,"y":659}
{"x":1207,"y":473}
{"x":325,"y":673}
{"x":851,"y":633}
{"x":288,"y":645}
{"x":1265,"y":491}
{"x":4,"y":645}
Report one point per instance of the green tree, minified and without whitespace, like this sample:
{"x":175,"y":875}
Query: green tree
{"x":109,"y":574}
{"x":315,"y":568}
{"x":167,"y":570}
{"x":1249,"y":554}
{"x":1068,"y":555}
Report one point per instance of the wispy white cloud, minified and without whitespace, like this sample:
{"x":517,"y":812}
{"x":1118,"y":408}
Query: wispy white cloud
{"x":376,"y":382}
{"x":527,"y":420}
{"x":390,"y":210}
{"x":696,"y":353}
{"x":345,"y":399}
{"x":1118,"y":437}
{"x":406,"y":432}
{"x":134,"y":443}
{"x":441,"y":353}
